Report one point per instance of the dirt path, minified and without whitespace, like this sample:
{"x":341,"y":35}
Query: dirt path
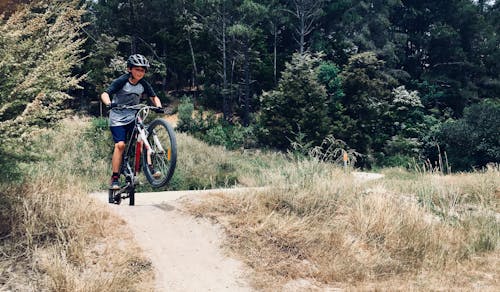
{"x":185,"y":251}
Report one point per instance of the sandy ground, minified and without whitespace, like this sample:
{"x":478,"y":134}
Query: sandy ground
{"x":185,"y":251}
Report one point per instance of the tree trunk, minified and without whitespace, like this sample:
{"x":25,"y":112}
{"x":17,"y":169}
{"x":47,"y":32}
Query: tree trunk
{"x":194,"y":84}
{"x":225,"y":99}
{"x":275,"y":59}
{"x":302,"y":33}
{"x":246,"y":98}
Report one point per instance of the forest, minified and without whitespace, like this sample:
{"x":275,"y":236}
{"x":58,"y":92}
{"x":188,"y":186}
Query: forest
{"x":392,"y":82}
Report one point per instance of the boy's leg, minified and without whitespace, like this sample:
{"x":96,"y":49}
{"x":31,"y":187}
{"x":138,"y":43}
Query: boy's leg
{"x":119,"y":136}
{"x":115,"y":164}
{"x":117,"y":156}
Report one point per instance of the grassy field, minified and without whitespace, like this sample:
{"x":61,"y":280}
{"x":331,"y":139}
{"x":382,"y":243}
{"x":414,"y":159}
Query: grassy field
{"x":316,"y":227}
{"x":54,"y":236}
{"x":313,"y":227}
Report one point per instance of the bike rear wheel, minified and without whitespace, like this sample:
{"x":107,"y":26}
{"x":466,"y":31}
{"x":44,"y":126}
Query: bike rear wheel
{"x":161,"y":137}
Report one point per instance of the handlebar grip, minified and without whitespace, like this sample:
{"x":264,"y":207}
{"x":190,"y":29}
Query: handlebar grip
{"x":112,"y":105}
{"x":159,"y":110}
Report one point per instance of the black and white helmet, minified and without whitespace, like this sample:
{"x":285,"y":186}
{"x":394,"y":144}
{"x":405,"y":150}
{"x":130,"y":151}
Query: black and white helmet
{"x":137,"y":60}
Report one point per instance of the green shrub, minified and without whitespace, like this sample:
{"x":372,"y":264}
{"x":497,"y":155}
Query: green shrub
{"x":297,"y":104}
{"x":216,"y":135}
{"x":473,"y":141}
{"x":185,"y":110}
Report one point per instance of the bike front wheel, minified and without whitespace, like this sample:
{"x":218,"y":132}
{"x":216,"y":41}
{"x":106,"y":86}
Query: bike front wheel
{"x":162,"y":155}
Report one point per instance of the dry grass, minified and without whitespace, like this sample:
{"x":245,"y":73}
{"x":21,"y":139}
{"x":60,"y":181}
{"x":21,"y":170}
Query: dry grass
{"x":57,"y":238}
{"x":406,"y":232}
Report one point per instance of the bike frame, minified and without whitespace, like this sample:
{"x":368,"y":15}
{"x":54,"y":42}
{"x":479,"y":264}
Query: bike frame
{"x":138,"y":138}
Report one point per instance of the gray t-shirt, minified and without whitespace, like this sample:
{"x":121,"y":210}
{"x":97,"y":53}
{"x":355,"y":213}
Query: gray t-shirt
{"x":126,"y":93}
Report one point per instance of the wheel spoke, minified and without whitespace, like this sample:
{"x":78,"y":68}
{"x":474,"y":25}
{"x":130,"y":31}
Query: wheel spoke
{"x":163,"y":152}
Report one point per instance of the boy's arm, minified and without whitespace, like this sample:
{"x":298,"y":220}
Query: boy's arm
{"x":156,"y":101}
{"x":151,"y":93}
{"x":105,"y":99}
{"x":116,"y":85}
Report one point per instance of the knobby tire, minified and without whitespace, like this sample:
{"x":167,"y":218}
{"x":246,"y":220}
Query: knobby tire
{"x":163,"y":161}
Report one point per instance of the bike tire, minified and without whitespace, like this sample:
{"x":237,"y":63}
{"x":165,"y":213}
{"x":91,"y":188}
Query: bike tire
{"x":111,"y":196}
{"x":162,"y":161}
{"x":131,"y":197}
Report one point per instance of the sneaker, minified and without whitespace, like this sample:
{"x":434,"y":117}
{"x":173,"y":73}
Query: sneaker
{"x":155,"y":173}
{"x":115,"y":184}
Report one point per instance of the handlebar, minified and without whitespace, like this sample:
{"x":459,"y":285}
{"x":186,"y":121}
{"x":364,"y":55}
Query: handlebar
{"x":159,"y":110}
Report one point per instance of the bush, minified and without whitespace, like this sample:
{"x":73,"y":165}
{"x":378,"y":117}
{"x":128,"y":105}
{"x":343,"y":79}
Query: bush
{"x":213,"y":130}
{"x":185,"y":110}
{"x":473,"y":141}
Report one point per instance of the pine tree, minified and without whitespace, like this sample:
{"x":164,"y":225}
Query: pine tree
{"x":299,"y":106}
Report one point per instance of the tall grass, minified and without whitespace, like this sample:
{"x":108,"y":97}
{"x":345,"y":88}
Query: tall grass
{"x":318,"y":223}
{"x":200,"y":166}
{"x":53,"y":235}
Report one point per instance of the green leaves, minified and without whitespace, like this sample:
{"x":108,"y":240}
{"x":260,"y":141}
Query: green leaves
{"x":41,"y":45}
{"x":473,"y":141}
{"x":297,"y":105}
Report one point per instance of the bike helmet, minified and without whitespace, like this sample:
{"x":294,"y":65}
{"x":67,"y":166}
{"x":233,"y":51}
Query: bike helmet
{"x":137,"y":60}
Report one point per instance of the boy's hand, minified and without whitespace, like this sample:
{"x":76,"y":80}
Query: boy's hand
{"x":160,"y":110}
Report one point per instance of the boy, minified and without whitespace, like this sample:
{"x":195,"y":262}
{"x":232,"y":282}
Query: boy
{"x":126,"y":90}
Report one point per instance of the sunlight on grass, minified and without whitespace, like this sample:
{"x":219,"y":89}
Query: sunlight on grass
{"x":318,"y":223}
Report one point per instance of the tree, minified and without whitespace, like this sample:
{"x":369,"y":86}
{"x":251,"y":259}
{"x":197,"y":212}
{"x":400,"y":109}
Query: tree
{"x":276,"y":21}
{"x":340,"y":122}
{"x":367,"y":91}
{"x":217,"y":17}
{"x":192,"y":27}
{"x":306,"y":13}
{"x":297,"y":106}
{"x":245,"y":30}
{"x":405,"y":111}
{"x":41,"y":46}
{"x":450,"y":46}
{"x":473,"y":140}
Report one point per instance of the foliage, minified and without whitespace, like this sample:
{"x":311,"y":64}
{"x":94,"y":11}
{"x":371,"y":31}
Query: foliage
{"x":186,"y":122}
{"x":231,"y":136}
{"x":226,"y":53}
{"x":407,"y":117}
{"x":329,"y":76}
{"x":213,"y":130}
{"x":40,"y":46}
{"x":473,"y":141}
{"x":367,"y":89}
{"x":298,"y":104}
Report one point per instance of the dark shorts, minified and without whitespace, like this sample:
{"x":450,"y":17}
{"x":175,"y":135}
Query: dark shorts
{"x":120,"y":133}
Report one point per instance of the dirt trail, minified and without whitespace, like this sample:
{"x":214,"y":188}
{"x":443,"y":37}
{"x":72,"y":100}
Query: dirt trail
{"x":185,"y":251}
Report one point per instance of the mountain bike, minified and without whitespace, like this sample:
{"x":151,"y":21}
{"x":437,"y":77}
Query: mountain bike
{"x":148,"y":144}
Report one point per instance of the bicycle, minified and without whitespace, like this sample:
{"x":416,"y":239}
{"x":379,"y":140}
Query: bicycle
{"x":147,"y":144}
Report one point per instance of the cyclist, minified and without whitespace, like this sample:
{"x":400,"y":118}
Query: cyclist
{"x":127,"y":90}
